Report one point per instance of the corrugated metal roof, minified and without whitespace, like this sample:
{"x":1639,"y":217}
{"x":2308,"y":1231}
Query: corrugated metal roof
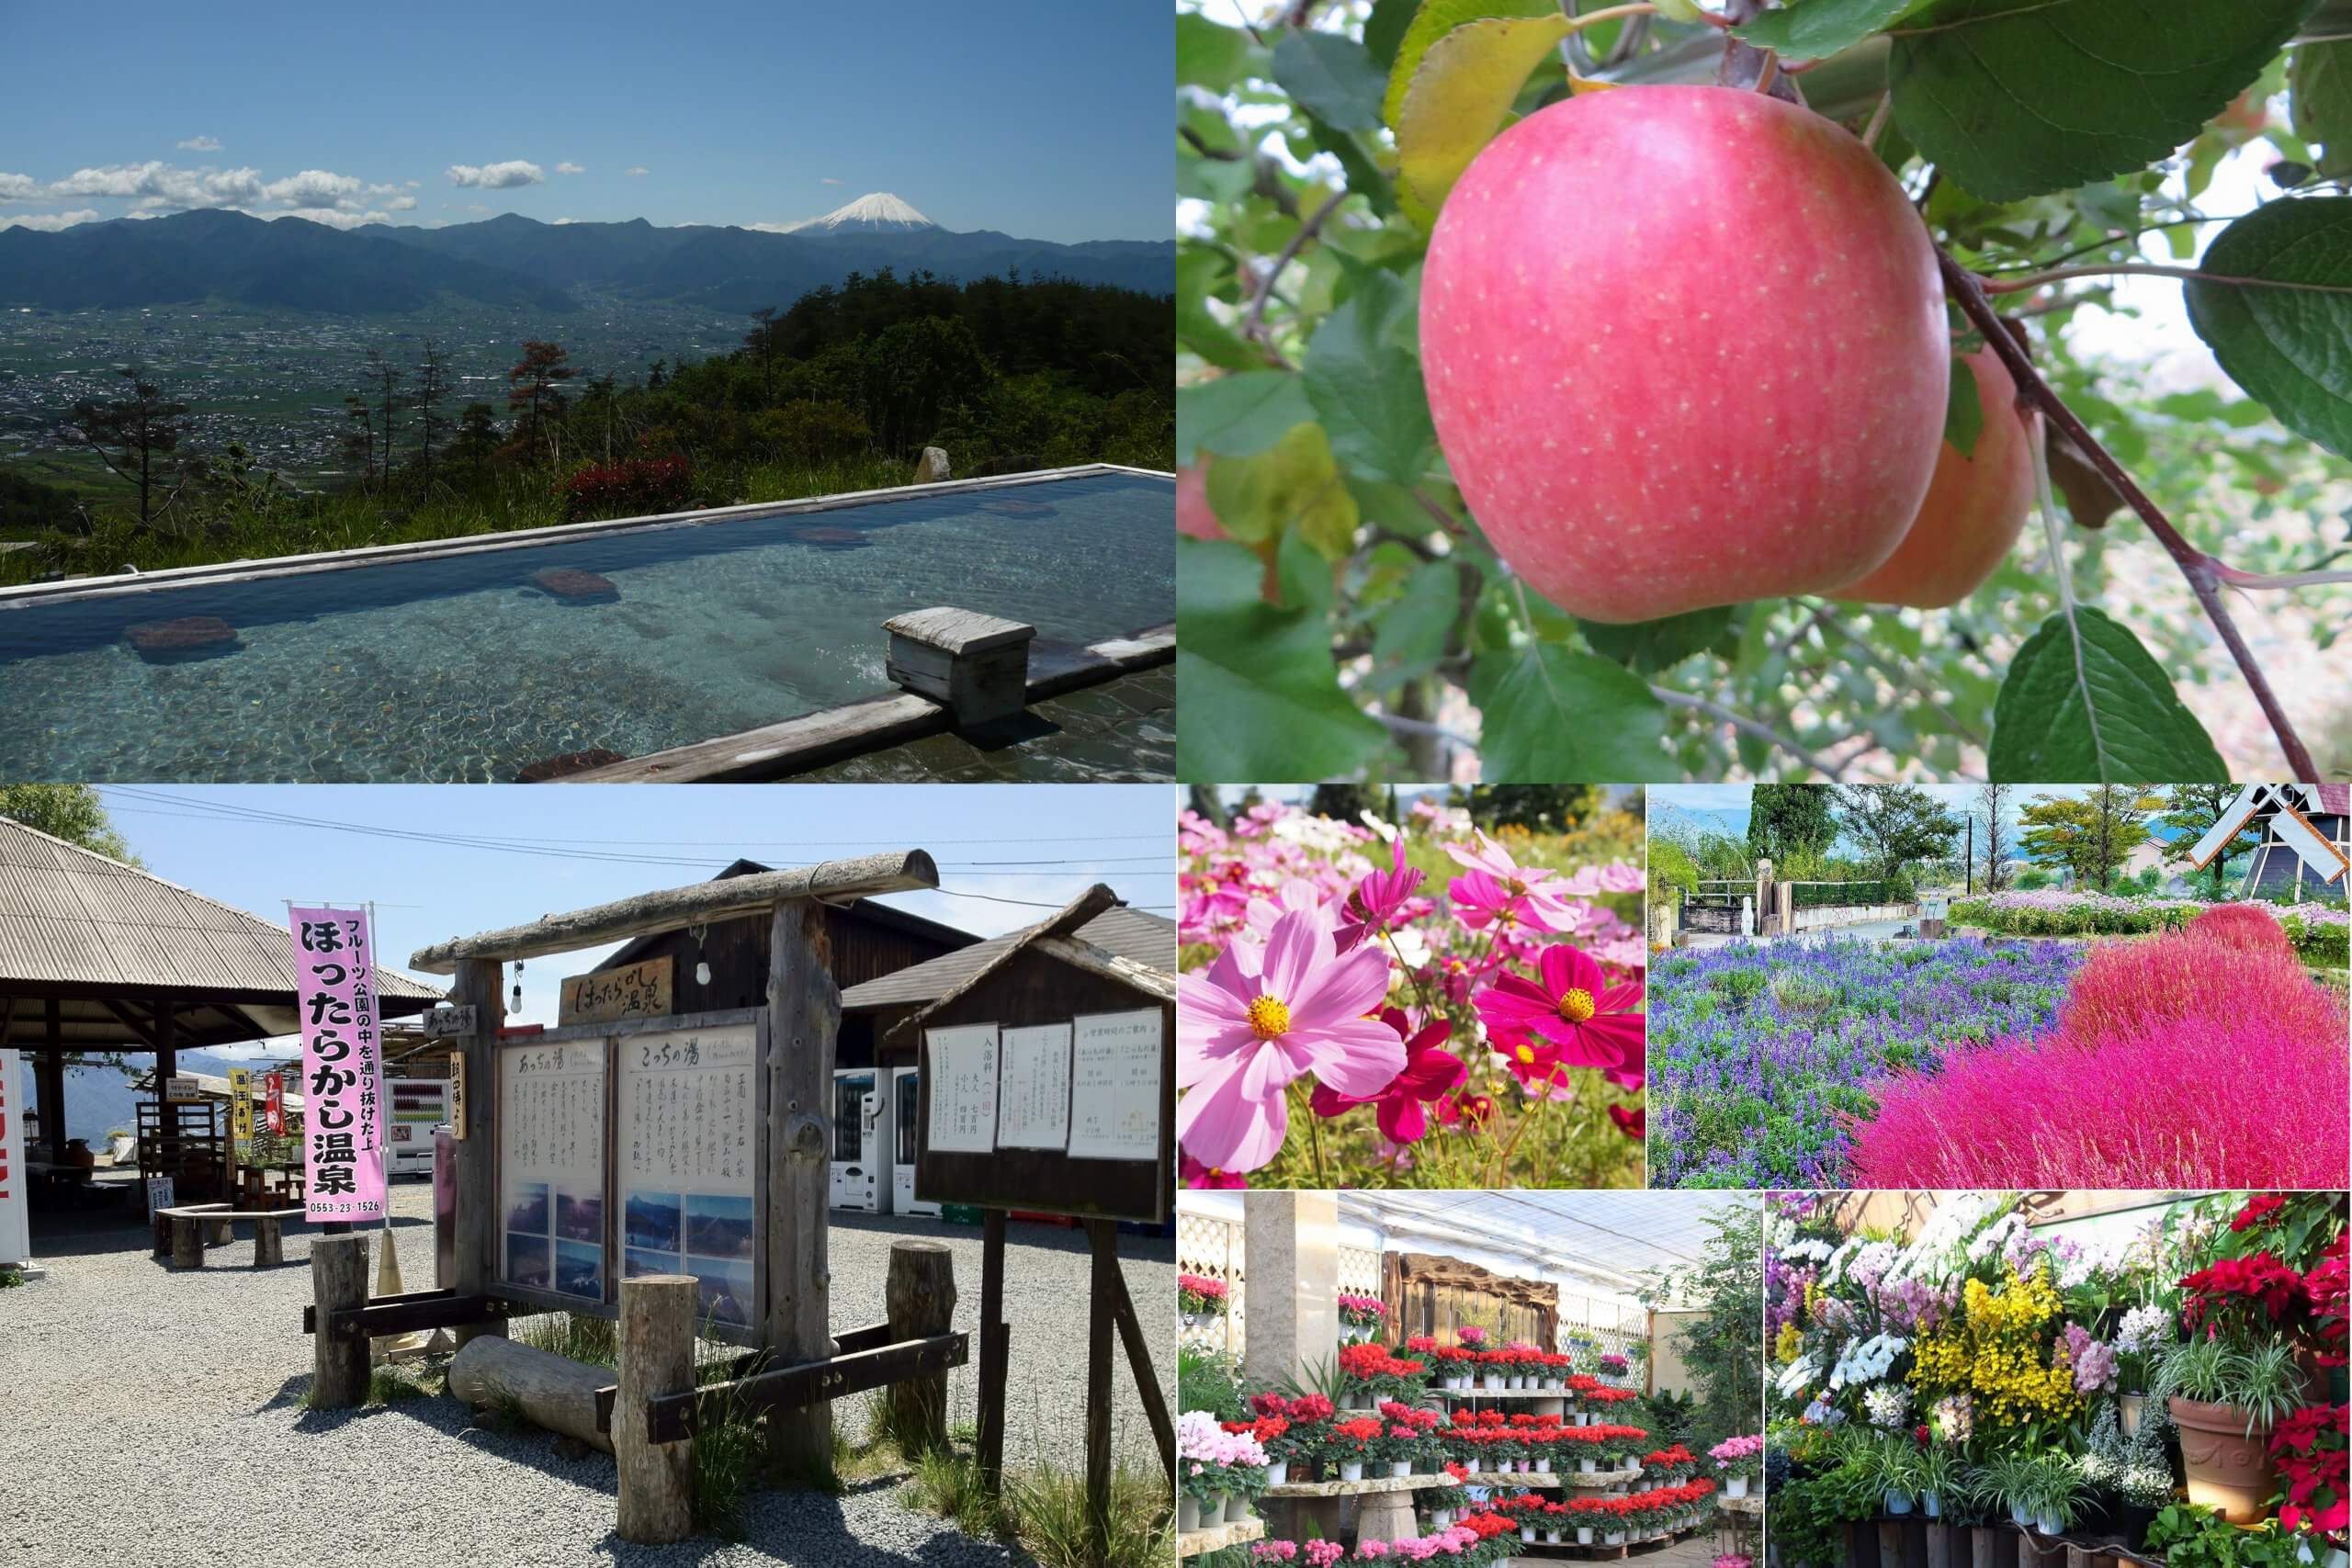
{"x":69,"y":916}
{"x":1146,"y":939}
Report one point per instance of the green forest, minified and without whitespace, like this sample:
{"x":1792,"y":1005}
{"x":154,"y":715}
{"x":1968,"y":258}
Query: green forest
{"x":839,"y":391}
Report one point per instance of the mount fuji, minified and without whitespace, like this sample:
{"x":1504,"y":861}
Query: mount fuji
{"x":878,"y":213}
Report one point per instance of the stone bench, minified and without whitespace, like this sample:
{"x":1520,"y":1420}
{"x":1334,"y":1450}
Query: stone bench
{"x":186,"y":1230}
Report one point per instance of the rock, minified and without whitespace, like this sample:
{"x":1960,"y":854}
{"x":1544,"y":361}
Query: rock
{"x":931,"y":467}
{"x":572,"y":584}
{"x":565,"y":762}
{"x":187,"y":634}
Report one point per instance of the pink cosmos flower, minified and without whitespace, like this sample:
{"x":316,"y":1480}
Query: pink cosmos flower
{"x":1482,"y":899}
{"x":1379,"y":899}
{"x":1634,"y":1123}
{"x":1254,"y":1021}
{"x":1431,"y":1072}
{"x":1194,"y":1174}
{"x":1573,"y":1017}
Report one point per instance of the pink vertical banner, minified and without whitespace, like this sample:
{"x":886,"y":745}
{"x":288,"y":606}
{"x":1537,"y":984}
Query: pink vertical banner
{"x":334,"y":992}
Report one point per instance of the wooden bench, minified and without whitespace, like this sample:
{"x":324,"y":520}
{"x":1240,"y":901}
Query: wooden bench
{"x":186,"y":1230}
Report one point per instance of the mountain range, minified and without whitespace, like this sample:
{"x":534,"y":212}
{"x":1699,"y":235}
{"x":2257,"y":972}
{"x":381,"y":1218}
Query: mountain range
{"x":293,"y":264}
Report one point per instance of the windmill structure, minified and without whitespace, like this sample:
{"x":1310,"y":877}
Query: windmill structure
{"x":2306,"y":848}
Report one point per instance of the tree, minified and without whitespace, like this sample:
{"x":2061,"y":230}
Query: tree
{"x":478,"y":436}
{"x":535,"y":390}
{"x":1895,"y":825}
{"x":760,"y":340}
{"x":73,"y":812}
{"x":1992,"y":815}
{"x":134,"y":436}
{"x":1783,"y":819}
{"x":2090,"y":834}
{"x":431,"y":390}
{"x":359,"y":436}
{"x":1542,"y":808}
{"x":1723,"y":1345}
{"x":384,"y":378}
{"x":2192,"y":810}
{"x":1341,"y":802}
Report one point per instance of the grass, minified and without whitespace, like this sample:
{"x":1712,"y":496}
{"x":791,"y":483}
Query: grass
{"x":392,"y":1382}
{"x":593,"y":1340}
{"x":729,"y":1454}
{"x":1043,"y":1511}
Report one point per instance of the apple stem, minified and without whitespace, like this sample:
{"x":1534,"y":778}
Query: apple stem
{"x":2201,"y":571}
{"x":1879,"y":118}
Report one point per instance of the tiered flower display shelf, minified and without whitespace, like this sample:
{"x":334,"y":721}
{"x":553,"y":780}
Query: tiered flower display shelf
{"x":1753,"y":1504}
{"x":1216,"y":1538}
{"x":1383,"y":1508}
{"x":1569,"y":1551}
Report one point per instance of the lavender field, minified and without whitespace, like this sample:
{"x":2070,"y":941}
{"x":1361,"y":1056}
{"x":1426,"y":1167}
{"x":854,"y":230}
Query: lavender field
{"x":1761,"y":1051}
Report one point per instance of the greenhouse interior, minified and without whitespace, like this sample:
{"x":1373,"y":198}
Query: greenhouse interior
{"x":2066,"y":1379}
{"x":1469,"y":1378}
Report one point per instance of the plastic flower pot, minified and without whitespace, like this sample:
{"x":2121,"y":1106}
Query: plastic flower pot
{"x":2021,"y":1515}
{"x":2132,"y":1522}
{"x":1614,"y":1537}
{"x":1898,"y":1502}
{"x":1277,"y":1471}
{"x":1441,"y":1519}
{"x":2128,"y":1409}
{"x":1188,"y":1513}
{"x":1553,"y":1386}
{"x":1931,"y":1505}
{"x":1544,"y":1467}
{"x":1527,"y":1534}
{"x":1551,"y":1538}
{"x":1492,"y":1382}
{"x":1587,"y":1467}
{"x":1400,"y":1467}
{"x":1351,"y":1469}
{"x":1735,"y":1486}
{"x":1191,"y":1319}
{"x":2048,"y":1524}
{"x":2228,"y":1469}
{"x":1583,"y":1535}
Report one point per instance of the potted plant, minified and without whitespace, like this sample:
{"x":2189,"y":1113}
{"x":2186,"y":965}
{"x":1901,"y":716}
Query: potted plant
{"x":1215,"y":1465}
{"x":1939,"y":1476}
{"x":1351,"y":1444}
{"x":1456,"y":1367}
{"x":2142,"y":1335}
{"x":2308,"y":1449}
{"x":1359,"y":1317}
{"x":1199,"y":1299}
{"x":2226,"y":1400}
{"x":2055,"y":1493}
{"x":1613,"y":1365}
{"x":1737,"y":1460}
{"x":2143,"y":1489}
{"x":1444,"y":1502}
{"x":1896,"y":1473}
{"x":1587,"y":1514}
{"x":1300,"y":1446}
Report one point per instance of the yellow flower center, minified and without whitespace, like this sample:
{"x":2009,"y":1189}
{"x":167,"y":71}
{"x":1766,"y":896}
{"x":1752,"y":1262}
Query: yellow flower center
{"x":1576,"y":1004}
{"x":1526,"y":1054}
{"x":1270,"y":1017}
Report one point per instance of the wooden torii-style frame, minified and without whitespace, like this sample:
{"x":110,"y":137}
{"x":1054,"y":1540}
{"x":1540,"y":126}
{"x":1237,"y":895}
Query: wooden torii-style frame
{"x":794,"y":1330}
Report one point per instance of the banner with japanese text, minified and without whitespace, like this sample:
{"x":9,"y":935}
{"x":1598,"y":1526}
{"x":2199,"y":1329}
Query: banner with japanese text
{"x":342,"y":1122}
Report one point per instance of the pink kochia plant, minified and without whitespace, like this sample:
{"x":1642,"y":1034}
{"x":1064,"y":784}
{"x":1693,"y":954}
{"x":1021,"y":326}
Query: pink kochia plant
{"x":2125,"y":990}
{"x":2247,"y":927}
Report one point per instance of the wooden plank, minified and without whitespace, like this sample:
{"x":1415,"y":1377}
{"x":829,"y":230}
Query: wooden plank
{"x":656,"y":1480}
{"x":673,"y":909}
{"x":813,"y":1385}
{"x":804,"y":1019}
{"x":1147,"y":1376}
{"x":994,"y":1348}
{"x":953,"y":631}
{"x":604,"y":996}
{"x":377,"y":1320}
{"x":474,"y":1263}
{"x":1103,"y":1237}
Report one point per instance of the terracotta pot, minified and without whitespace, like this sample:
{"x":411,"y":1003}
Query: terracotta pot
{"x":2228,"y":1468}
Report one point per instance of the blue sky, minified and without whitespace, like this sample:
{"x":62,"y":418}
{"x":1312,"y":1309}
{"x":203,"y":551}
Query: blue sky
{"x":1723,"y":808}
{"x":1044,"y":118}
{"x":1040,"y":844}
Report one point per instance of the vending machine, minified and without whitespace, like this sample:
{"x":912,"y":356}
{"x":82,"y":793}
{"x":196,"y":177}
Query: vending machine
{"x":906,"y":1101}
{"x":419,"y":1105}
{"x":858,"y":1154}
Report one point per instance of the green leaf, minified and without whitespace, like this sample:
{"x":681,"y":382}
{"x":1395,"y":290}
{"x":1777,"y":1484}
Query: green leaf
{"x":1294,"y":485}
{"x":1209,"y":55}
{"x":1819,"y":29}
{"x":2320,"y":84}
{"x":1964,"y":410}
{"x":2290,"y":348}
{"x":1363,"y":377}
{"x":1652,"y":646}
{"x":1261,"y":695}
{"x":1433,"y":21}
{"x":2090,"y":705}
{"x":1412,"y":631}
{"x":1199,"y":273}
{"x":1460,"y":93}
{"x":1363,"y":175}
{"x":1236,"y":415}
{"x":1332,"y":75}
{"x":1550,"y":715}
{"x":2013,"y":98}
{"x":1384,"y":29}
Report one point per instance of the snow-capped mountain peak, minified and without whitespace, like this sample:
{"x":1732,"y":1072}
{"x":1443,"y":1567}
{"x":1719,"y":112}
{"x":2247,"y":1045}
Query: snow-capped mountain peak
{"x":879,"y":211}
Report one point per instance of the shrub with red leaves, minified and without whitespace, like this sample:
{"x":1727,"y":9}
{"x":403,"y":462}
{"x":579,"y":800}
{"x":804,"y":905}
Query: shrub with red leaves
{"x":2127,"y":989}
{"x":634,"y":487}
{"x":2247,"y":927}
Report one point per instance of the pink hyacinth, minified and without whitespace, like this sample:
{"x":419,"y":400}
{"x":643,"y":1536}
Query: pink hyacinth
{"x":1254,"y":1021}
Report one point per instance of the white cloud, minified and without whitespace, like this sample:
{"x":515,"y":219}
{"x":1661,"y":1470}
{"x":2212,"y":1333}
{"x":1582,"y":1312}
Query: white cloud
{"x":769,"y":228}
{"x":333,"y":217}
{"x":201,"y":144}
{"x":160,"y":184}
{"x":400,"y":203}
{"x":313,"y":187}
{"x":561,"y":221}
{"x":414,"y":184}
{"x":637,"y":170}
{"x":18,"y":187}
{"x":50,"y":222}
{"x":570,"y":168}
{"x":826,"y":180}
{"x":498,"y":177}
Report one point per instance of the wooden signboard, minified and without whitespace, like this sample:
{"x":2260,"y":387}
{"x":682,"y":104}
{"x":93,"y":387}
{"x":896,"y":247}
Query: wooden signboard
{"x":182,"y":1088}
{"x":635,"y":1148}
{"x":1066,"y":1117}
{"x":607,"y":995}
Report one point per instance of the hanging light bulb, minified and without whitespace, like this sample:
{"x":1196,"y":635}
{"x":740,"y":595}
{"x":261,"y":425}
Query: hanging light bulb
{"x":517,"y":993}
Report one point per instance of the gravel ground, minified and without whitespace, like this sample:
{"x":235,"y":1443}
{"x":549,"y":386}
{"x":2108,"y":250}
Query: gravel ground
{"x":154,"y":1420}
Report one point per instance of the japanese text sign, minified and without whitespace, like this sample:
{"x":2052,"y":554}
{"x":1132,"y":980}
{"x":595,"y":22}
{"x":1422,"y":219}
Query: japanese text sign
{"x":334,"y":993}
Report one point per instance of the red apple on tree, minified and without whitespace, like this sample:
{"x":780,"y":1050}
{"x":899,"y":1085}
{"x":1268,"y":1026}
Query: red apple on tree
{"x":1194,"y":517}
{"x":1975,"y":508}
{"x":1684,"y":346}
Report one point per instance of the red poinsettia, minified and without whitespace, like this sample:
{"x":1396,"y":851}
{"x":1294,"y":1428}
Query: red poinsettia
{"x":2310,"y":1448}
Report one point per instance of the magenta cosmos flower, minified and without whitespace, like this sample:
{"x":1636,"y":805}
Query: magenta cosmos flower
{"x":1482,"y":899}
{"x":1431,"y":1072}
{"x":1254,"y":1020}
{"x":1379,"y":898}
{"x":1571,"y":1016}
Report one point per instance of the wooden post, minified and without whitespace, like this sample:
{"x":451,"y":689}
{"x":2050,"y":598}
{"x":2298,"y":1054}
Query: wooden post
{"x":475,"y":1263}
{"x":656,"y":1357}
{"x":2077,"y":1556}
{"x":1984,"y":1543}
{"x":188,"y":1242}
{"x":52,"y":1082}
{"x":338,"y":1281}
{"x":804,"y":1017}
{"x":1889,"y":1543}
{"x":920,"y":1299}
{"x":1104,"y":1235}
{"x":270,"y":1241}
{"x":995,"y":1344}
{"x":1939,"y":1545}
{"x":2028,"y":1556}
{"x":1155,"y":1403}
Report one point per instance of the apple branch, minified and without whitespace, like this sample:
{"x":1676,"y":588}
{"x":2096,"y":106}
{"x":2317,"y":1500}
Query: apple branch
{"x":2203,"y":573}
{"x":2151,"y":269}
{"x":1253,"y":326}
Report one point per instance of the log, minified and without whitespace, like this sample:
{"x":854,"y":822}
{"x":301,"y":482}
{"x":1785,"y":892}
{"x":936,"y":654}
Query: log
{"x":188,"y":1242}
{"x":270,"y":1241}
{"x":338,"y":1282}
{"x":804,"y":1022}
{"x":474,"y":1260}
{"x":656,"y":1357}
{"x":550,"y":1390}
{"x":921,"y":1296}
